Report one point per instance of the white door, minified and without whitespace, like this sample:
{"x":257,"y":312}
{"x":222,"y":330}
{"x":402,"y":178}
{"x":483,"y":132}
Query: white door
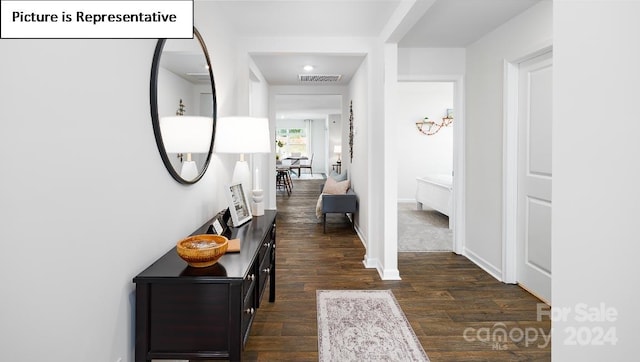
{"x":533,"y":269}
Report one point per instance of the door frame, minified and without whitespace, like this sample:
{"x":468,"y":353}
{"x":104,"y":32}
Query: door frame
{"x":458,"y":218}
{"x":510,"y":162}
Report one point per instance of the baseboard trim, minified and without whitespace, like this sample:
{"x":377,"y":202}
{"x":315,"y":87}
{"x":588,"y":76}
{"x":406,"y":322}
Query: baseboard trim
{"x":363,"y":240}
{"x":390,"y":274}
{"x":370,"y":263}
{"x":483,"y":264}
{"x":373,"y":263}
{"x":385,"y":274}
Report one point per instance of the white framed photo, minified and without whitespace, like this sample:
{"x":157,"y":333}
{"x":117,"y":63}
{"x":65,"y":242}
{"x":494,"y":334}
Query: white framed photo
{"x":238,"y":204}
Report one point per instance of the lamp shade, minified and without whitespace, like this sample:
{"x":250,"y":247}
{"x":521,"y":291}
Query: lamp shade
{"x":337,"y":149}
{"x":242,"y":135}
{"x":186,"y":134}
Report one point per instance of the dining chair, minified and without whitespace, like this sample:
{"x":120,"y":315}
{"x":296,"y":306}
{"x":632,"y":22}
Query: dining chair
{"x":305,"y":164}
{"x":283,"y":176}
{"x":290,"y":165}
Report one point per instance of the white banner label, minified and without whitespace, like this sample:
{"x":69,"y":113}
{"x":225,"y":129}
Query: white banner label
{"x":113,"y":19}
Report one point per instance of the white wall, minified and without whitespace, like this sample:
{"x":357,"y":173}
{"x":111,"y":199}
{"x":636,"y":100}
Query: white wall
{"x":259,"y":107}
{"x":414,"y":62}
{"x":86,"y":201}
{"x":319,"y":150}
{"x":596,"y":173}
{"x":358,"y":166}
{"x":290,"y":123}
{"x":334,"y":123}
{"x":175,"y":88}
{"x":420,"y":155}
{"x":484,"y":119}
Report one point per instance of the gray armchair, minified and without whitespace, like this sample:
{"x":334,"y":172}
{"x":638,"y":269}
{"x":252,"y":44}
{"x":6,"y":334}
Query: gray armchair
{"x":341,"y":204}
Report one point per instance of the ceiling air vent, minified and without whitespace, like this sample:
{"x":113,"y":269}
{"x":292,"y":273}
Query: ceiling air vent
{"x":198,"y":77}
{"x":319,"y":77}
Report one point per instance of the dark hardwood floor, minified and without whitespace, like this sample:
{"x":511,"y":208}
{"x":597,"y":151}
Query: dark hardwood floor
{"x":458,"y":311}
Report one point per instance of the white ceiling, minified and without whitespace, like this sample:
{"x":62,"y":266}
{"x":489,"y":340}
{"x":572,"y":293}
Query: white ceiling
{"x":187,"y":65}
{"x":445,"y":24}
{"x":459,"y":23}
{"x":275,"y":18}
{"x":186,"y":59}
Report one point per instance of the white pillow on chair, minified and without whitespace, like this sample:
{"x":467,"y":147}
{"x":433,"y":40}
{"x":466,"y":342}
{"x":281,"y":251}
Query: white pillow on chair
{"x":334,"y":187}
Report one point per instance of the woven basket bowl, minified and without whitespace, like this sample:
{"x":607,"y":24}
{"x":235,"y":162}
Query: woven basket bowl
{"x":203,"y":250}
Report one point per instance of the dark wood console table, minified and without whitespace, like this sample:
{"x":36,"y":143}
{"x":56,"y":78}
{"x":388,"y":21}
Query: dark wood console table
{"x":205,"y":313}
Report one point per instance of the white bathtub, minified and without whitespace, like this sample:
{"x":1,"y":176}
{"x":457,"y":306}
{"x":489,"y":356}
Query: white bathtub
{"x":436,"y":192}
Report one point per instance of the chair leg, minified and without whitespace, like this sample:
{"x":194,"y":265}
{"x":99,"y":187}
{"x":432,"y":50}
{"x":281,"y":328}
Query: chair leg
{"x":290,"y":182}
{"x":287,"y":186}
{"x":324,"y":223}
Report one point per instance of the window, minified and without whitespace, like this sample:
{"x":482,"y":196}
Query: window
{"x":292,"y":140}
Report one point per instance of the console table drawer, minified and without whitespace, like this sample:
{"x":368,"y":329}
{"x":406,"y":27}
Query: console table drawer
{"x":248,"y":312}
{"x":265,"y":248}
{"x":249,"y":282}
{"x":264,"y":272}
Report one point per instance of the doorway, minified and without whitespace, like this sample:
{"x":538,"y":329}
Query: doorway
{"x":457,"y":217}
{"x":425,"y":165}
{"x":306,"y":127}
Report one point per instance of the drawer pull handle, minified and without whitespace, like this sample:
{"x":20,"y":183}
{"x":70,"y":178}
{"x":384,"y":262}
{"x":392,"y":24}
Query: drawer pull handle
{"x":267,"y":270}
{"x":250,"y":311}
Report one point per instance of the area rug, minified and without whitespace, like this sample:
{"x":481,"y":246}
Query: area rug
{"x":423,"y":230}
{"x":364,"y":325}
{"x":308,"y":176}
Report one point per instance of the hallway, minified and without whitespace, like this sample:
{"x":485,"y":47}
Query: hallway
{"x":454,"y":307}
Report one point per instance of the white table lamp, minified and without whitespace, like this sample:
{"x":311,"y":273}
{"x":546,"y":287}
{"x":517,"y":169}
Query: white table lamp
{"x":337,"y":149}
{"x":245,"y":135}
{"x":187,"y":135}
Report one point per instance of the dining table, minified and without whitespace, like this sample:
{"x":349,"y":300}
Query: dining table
{"x":295,"y":161}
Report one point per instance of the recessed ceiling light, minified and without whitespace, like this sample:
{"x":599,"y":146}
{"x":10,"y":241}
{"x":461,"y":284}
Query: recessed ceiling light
{"x":308,"y":68}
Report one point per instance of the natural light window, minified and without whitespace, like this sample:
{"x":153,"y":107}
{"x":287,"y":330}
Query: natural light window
{"x":293,"y":140}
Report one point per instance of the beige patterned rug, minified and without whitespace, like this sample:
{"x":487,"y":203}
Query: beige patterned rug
{"x":364,"y":325}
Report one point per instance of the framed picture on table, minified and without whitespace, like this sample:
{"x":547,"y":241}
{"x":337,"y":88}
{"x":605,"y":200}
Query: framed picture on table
{"x":238,"y":205}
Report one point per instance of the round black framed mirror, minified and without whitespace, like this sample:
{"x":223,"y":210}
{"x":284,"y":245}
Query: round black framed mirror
{"x":183,"y":106}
